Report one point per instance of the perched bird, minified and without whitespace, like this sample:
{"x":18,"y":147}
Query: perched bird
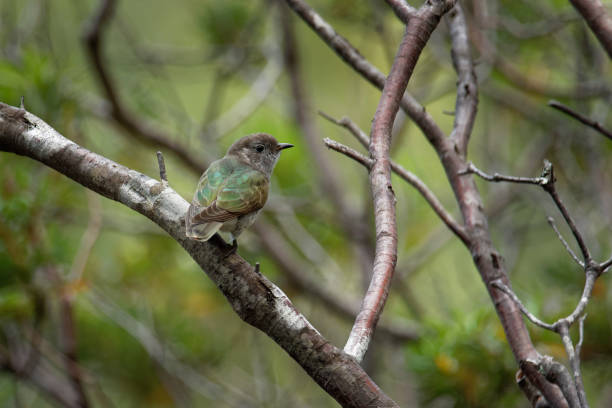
{"x":234,"y":188}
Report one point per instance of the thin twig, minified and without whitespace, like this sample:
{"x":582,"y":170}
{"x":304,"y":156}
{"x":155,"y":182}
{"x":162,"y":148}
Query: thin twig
{"x":500,"y":285}
{"x":407,"y":176}
{"x":547,"y":182}
{"x":551,"y":222}
{"x":349,"y":152}
{"x":605,"y":265}
{"x":496,"y":177}
{"x":580,"y":117}
{"x":574,"y":360}
{"x":580,"y":334}
{"x":162,"y":167}
{"x":551,"y":190}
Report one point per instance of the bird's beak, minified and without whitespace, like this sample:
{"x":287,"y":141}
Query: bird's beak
{"x":282,"y":146}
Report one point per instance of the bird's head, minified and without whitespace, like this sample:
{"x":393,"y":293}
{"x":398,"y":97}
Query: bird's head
{"x":258,"y":150}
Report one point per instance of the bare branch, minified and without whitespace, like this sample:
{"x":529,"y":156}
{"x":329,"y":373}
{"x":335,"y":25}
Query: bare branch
{"x":500,"y":285}
{"x":407,"y":176}
{"x":551,"y":222}
{"x":605,"y":265}
{"x":349,"y":152}
{"x":547,"y":182}
{"x":467,"y":86}
{"x":496,"y":177}
{"x":581,"y":118}
{"x":598,"y":19}
{"x":574,"y":360}
{"x":580,"y":334}
{"x":551,"y":190}
{"x":163,"y":176}
{"x":254,"y":298}
{"x":415,"y":37}
{"x":402,"y":9}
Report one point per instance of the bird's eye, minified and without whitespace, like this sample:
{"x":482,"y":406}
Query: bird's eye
{"x":259,"y":148}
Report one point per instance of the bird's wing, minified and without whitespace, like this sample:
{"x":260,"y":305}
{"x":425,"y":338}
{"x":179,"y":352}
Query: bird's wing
{"x":245,"y":191}
{"x":227,"y":190}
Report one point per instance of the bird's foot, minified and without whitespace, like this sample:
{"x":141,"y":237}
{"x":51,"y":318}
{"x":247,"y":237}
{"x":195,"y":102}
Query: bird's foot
{"x":257,"y":271}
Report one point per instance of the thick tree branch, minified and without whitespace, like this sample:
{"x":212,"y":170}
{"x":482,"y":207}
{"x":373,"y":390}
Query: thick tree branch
{"x":416,"y":35}
{"x":598,"y":19}
{"x":254,"y":298}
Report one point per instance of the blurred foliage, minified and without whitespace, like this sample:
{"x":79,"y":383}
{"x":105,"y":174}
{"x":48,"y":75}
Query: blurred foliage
{"x":179,"y":65}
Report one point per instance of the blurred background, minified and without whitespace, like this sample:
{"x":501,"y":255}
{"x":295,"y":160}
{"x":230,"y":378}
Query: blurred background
{"x":85,"y":279}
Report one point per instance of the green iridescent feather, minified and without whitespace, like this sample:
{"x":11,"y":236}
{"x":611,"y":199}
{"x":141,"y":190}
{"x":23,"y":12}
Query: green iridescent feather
{"x":230,"y":188}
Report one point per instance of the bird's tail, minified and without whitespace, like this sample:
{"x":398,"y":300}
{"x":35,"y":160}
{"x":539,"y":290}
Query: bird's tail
{"x":203,"y":232}
{"x":199,"y":231}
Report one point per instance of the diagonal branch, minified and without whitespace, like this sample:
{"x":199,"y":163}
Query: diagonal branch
{"x":547,"y":182}
{"x":406,"y":175}
{"x":416,"y":35}
{"x":255,"y":299}
{"x":581,"y":118}
{"x":598,"y":19}
{"x":402,"y":9}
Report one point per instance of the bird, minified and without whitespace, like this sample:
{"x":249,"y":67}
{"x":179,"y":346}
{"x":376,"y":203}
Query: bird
{"x":233,"y":189}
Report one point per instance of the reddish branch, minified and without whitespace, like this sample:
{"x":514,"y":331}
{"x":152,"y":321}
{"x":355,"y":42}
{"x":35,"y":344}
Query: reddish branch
{"x":598,"y":19}
{"x":253,"y":297}
{"x":416,"y":35}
